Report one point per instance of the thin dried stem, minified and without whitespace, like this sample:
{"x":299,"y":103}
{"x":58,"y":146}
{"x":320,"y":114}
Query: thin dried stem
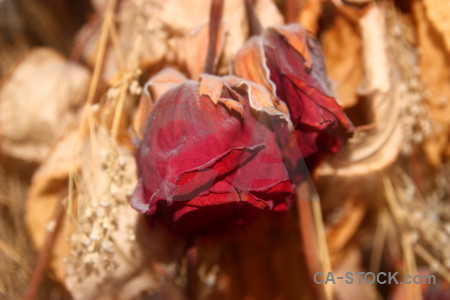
{"x":215,"y":19}
{"x":308,"y":235}
{"x":45,"y":253}
{"x":253,"y":21}
{"x":322,"y":245}
{"x":123,"y":88}
{"x":103,"y":41}
{"x":432,"y":261}
{"x":291,"y":11}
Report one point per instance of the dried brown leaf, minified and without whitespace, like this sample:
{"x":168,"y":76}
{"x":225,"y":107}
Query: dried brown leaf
{"x":375,"y":146}
{"x":181,"y":16}
{"x":357,"y":169}
{"x":261,"y":100}
{"x":134,"y":22}
{"x":212,"y":86}
{"x":344,"y":63}
{"x":309,"y":14}
{"x":435,"y":74}
{"x":37,"y":101}
{"x":195,"y":45}
{"x":46,"y":190}
{"x":153,"y":89}
{"x":247,"y":63}
{"x":437,"y":13}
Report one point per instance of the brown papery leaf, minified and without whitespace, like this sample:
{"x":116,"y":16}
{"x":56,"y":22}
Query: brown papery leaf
{"x":212,"y":86}
{"x":261,"y":100}
{"x":309,"y":14}
{"x":248,"y":63}
{"x":344,"y":63}
{"x":195,"y":45}
{"x":357,"y":168}
{"x":153,"y":89}
{"x":137,"y":30}
{"x":437,"y":12}
{"x":376,"y":144}
{"x":46,"y":189}
{"x":37,"y":101}
{"x":181,"y":16}
{"x":435,"y":74}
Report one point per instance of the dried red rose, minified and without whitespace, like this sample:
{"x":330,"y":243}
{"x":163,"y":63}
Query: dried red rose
{"x":209,"y":159}
{"x":288,"y":61}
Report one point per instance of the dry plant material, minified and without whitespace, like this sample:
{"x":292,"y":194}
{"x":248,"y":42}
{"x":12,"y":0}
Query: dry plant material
{"x":425,"y":222}
{"x":344,"y":63}
{"x":196,"y":46}
{"x":167,"y":30}
{"x":134,"y":20}
{"x":49,"y":181}
{"x":208,"y":145}
{"x":376,"y":145}
{"x":436,"y":11}
{"x":37,"y":101}
{"x":287,"y":60}
{"x":309,"y":13}
{"x":154,"y":88}
{"x":352,"y":262}
{"x":204,"y":157}
{"x":181,"y":16}
{"x":105,"y":260}
{"x":434,"y":69}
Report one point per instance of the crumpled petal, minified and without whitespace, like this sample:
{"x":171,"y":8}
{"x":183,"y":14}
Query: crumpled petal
{"x":204,"y":166}
{"x":288,"y":61}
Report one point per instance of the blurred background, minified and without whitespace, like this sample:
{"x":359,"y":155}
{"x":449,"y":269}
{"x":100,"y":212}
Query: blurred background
{"x":72,"y":98}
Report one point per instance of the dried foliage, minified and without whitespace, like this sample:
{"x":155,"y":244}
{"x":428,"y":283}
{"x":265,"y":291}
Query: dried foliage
{"x":70,"y":129}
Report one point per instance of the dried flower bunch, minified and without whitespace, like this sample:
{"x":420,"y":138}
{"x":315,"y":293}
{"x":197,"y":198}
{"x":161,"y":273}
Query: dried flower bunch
{"x":214,"y":152}
{"x":178,"y":149}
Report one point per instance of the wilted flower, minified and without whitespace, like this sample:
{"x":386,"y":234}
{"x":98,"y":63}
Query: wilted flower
{"x":209,"y":158}
{"x":288,"y":61}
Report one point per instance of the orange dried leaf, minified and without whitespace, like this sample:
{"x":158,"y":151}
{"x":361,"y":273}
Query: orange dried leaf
{"x":435,"y":74}
{"x":298,"y":38}
{"x":153,"y":89}
{"x":248,"y":63}
{"x":344,"y":63}
{"x":195,"y":46}
{"x":212,"y":86}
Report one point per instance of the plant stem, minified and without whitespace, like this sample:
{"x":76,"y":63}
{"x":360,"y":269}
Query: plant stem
{"x":307,"y":231}
{"x":253,"y":21}
{"x":45,"y":253}
{"x":291,"y":11}
{"x":215,"y":19}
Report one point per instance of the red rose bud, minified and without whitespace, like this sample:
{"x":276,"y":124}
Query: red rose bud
{"x":209,"y":159}
{"x":288,"y":61}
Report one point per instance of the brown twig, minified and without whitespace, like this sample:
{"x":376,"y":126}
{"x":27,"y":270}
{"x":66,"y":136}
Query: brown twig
{"x":45,"y":253}
{"x":291,"y":11}
{"x":253,"y":21}
{"x":215,"y":19}
{"x":417,"y":171}
{"x":307,"y":230}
